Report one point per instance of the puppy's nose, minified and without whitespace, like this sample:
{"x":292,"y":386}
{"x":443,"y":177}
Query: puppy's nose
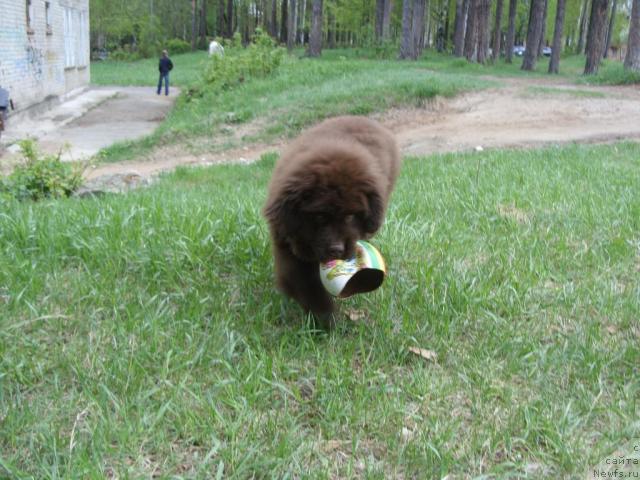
{"x":336,"y":250}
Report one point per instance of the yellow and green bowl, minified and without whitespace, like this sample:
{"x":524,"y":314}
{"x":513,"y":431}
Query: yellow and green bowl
{"x":363,"y":273}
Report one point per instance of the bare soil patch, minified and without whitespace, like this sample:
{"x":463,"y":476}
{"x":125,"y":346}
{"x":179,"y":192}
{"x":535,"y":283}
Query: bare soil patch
{"x":514,"y":116}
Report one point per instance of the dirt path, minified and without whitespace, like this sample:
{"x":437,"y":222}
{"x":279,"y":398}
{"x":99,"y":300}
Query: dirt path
{"x":523,"y":113}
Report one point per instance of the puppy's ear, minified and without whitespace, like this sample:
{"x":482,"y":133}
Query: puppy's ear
{"x":375,"y":212}
{"x":282,"y":212}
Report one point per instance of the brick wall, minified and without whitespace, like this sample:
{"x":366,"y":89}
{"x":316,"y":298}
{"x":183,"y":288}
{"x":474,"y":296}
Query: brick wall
{"x":32,"y":60}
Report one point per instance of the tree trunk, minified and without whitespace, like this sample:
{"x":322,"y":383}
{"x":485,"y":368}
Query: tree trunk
{"x":439,"y":25}
{"x":301,"y":17}
{"x":268,"y":17}
{"x":273,"y":22}
{"x":446,"y":27}
{"x":484,"y":30}
{"x":425,"y":28}
{"x":331,"y":40}
{"x":229,"y":18}
{"x":220,"y":20}
{"x":632,"y":60}
{"x":417,"y":28}
{"x":315,"y":36}
{"x":194,"y":30}
{"x":511,"y":31}
{"x":497,"y":35}
{"x":544,"y":28}
{"x":291,"y":25}
{"x":406,"y":45}
{"x":582,"y":34}
{"x":245,"y":22}
{"x":458,"y":34}
{"x":235,"y":19}
{"x":533,"y":35}
{"x":386,"y":19}
{"x":380,"y":4}
{"x":471,"y":31}
{"x":595,"y":39}
{"x":554,"y":62}
{"x":284,"y":21}
{"x":612,"y":24}
{"x":203,"y":24}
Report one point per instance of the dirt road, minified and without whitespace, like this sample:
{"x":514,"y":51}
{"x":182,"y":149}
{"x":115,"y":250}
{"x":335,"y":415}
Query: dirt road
{"x":523,"y":113}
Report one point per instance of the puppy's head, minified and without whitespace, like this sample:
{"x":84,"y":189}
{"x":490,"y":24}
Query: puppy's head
{"x":324,"y":208}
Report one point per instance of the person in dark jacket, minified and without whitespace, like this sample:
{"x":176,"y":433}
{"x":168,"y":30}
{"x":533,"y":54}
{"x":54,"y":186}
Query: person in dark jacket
{"x":5,"y":103}
{"x":165,"y":66}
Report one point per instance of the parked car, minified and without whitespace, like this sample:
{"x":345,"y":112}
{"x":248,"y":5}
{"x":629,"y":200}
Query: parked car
{"x":99,"y":54}
{"x":546,"y":51}
{"x":518,"y":50}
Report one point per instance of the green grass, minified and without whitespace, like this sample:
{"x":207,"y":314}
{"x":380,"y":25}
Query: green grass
{"x":613,"y":73}
{"x":187,"y":67}
{"x":141,"y":335}
{"x":572,"y":92}
{"x":571,"y":66}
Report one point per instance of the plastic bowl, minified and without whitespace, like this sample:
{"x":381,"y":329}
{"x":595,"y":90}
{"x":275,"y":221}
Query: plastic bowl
{"x":363,"y":273}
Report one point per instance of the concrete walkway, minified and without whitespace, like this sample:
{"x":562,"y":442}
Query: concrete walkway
{"x":92,"y":120}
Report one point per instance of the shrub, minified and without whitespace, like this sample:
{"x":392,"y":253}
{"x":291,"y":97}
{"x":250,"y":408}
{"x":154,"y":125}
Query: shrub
{"x":381,"y":50}
{"x":124,"y":54}
{"x":259,"y":59}
{"x":177,"y":45}
{"x":613,"y":74}
{"x":40,"y":176}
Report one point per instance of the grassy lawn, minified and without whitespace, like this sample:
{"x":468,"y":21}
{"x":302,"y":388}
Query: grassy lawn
{"x":301,"y":93}
{"x":141,"y":335}
{"x":571,"y":92}
{"x":571,"y":67}
{"x":187,"y":67}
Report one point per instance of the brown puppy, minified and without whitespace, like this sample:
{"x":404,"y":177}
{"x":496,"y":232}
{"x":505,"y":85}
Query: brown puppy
{"x":329,"y":189}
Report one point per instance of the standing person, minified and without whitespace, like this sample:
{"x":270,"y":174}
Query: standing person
{"x":165,"y":66}
{"x":5,"y":103}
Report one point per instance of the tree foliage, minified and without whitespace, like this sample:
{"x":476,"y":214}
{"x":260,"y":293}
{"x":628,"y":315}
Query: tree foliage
{"x":142,"y":28}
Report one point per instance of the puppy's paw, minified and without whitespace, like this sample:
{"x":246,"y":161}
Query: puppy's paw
{"x":326,"y":320}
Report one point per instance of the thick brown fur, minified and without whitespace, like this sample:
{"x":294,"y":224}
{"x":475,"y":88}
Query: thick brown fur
{"x":329,"y":189}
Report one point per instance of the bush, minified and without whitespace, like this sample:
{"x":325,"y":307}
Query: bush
{"x":259,"y":59}
{"x":124,"y":54}
{"x":40,"y":176}
{"x":613,"y":73}
{"x":380,"y":50}
{"x":177,"y":45}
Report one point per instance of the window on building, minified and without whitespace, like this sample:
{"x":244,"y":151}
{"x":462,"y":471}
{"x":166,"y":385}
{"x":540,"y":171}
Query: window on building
{"x":47,"y":15}
{"x":69,"y":39}
{"x":76,"y":38}
{"x":81,"y":38}
{"x":29,"y":14}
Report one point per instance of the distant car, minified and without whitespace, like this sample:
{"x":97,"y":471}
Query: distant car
{"x":100,"y":54}
{"x":518,"y":50}
{"x":546,"y":51}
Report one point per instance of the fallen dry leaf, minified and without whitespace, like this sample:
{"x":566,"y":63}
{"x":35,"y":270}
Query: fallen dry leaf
{"x":356,"y":315}
{"x":407,"y":434}
{"x":333,"y":445}
{"x":514,"y":213}
{"x":612,"y":329}
{"x":424,"y":353}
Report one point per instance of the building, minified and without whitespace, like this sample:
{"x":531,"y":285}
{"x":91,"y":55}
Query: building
{"x":44,"y":50}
